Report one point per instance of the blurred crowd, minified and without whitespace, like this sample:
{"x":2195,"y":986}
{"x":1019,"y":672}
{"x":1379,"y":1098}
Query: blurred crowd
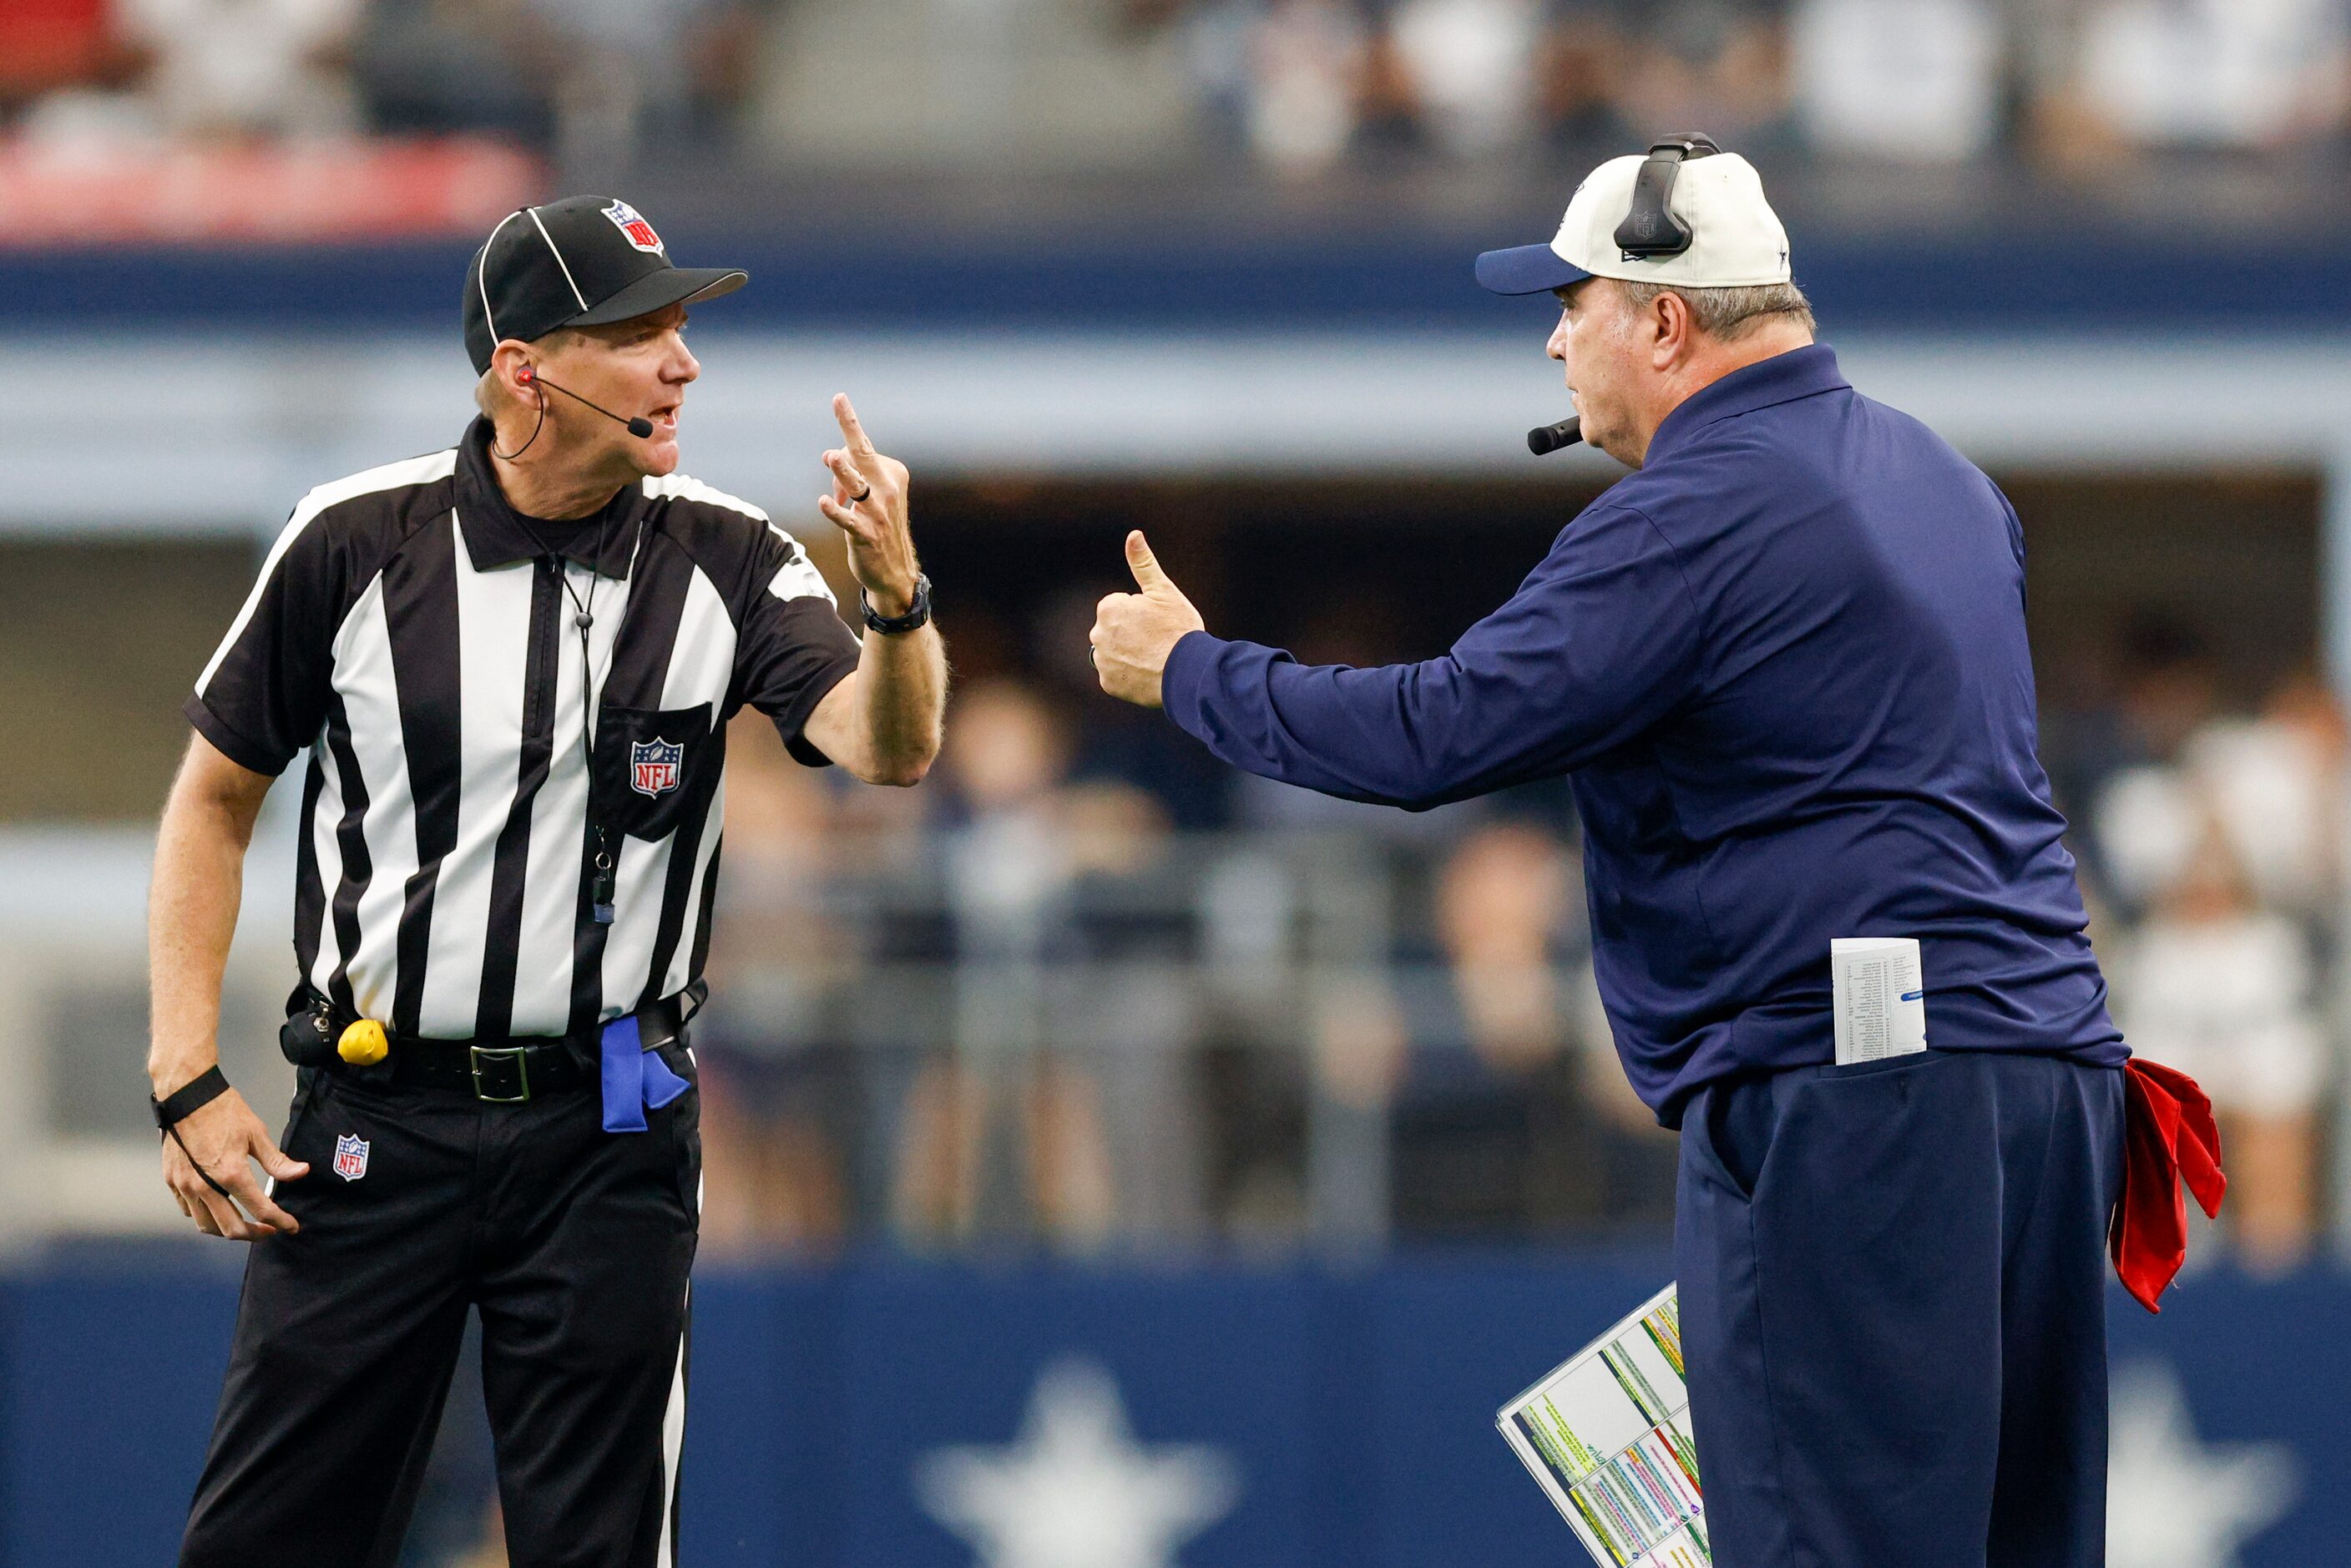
{"x":1079,"y":993}
{"x":2062,"y":81}
{"x":1297,"y":84}
{"x":1085,"y":990}
{"x":2211,"y":822}
{"x":594,"y":73}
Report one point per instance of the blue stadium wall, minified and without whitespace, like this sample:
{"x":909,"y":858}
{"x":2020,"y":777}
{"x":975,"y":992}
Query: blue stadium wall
{"x":1354,"y":1409}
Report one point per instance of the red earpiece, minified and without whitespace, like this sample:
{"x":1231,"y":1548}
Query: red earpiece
{"x":526,"y":375}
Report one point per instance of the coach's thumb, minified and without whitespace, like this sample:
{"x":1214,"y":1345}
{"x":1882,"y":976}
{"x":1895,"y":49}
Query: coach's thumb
{"x":1145,"y":566}
{"x":282,"y":1165}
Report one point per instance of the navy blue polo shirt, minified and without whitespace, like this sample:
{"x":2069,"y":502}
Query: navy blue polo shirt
{"x":1785,"y":667}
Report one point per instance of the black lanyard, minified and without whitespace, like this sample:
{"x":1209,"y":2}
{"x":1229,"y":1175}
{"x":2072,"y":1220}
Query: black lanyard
{"x":603,"y":886}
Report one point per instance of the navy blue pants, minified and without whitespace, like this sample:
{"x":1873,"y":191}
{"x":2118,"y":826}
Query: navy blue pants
{"x":1892,"y":1298}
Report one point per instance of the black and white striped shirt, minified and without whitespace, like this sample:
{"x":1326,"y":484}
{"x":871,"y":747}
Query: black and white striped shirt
{"x":414,"y":637}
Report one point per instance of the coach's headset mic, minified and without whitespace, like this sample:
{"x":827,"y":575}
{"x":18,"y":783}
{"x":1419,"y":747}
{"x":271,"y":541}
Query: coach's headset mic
{"x":1552,"y":437}
{"x":640,"y":427}
{"x":1650,"y":232}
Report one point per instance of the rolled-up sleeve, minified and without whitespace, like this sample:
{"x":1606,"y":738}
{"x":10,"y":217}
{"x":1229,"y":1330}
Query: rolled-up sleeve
{"x":1600,"y":640}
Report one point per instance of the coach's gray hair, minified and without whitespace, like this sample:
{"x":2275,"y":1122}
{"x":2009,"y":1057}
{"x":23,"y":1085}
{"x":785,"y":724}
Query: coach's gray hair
{"x":1729,"y":313}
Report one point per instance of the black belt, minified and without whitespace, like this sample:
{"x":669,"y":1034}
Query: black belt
{"x":503,"y":1073}
{"x":501,"y":1070}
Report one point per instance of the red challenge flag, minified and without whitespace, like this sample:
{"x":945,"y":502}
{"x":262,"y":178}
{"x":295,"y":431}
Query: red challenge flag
{"x":2169,"y":1139}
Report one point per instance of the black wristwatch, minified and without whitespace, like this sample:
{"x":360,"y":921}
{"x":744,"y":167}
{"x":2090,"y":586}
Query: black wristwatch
{"x":917,"y":614}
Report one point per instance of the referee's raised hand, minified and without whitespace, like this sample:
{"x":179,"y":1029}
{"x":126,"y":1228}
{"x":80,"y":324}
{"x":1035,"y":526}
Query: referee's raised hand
{"x":222,"y":1140}
{"x":868,"y":504}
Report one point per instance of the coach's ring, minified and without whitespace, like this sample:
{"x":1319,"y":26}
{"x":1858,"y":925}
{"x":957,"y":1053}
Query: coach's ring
{"x":860,"y":494}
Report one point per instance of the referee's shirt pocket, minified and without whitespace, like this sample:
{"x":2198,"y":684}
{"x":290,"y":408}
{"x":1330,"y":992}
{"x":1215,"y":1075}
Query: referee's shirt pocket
{"x":653,"y":767}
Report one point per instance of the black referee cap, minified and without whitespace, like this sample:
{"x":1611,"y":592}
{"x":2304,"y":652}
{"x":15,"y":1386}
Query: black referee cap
{"x":579,"y":262}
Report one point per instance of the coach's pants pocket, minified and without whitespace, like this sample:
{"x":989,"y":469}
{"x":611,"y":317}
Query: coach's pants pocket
{"x":1728,"y":1136}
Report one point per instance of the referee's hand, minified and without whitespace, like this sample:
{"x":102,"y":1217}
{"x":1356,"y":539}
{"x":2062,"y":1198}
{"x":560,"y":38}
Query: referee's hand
{"x":868,"y":505}
{"x":225,"y":1138}
{"x":1134,"y":632}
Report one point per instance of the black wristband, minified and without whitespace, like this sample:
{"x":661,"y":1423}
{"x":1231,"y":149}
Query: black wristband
{"x":916,"y":615}
{"x":191,"y":1097}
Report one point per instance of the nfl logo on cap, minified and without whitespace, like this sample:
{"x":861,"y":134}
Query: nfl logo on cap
{"x":652,"y":766}
{"x":351,"y":1156}
{"x":640,"y":232}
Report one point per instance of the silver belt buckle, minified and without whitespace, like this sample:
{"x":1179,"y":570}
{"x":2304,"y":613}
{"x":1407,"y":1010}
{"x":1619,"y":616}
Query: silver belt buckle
{"x":508,"y":1067}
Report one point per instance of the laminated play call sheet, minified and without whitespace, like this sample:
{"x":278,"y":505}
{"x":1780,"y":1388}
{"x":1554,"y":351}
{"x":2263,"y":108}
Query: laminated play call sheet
{"x":1606,"y":1436}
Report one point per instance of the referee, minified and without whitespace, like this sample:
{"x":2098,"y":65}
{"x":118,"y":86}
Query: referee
{"x":1784,"y":664}
{"x":508,"y":667}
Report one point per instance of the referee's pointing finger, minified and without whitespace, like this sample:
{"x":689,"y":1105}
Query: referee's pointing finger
{"x":860,"y":444}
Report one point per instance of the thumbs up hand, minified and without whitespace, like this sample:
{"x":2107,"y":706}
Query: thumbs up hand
{"x":1134,"y":632}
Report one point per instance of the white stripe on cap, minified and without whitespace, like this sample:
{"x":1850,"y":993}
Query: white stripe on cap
{"x":559,"y":256}
{"x":482,"y":276}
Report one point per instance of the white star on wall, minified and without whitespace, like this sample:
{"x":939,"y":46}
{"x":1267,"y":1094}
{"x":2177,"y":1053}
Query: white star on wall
{"x":2175,"y":1501}
{"x":1075,"y":1489}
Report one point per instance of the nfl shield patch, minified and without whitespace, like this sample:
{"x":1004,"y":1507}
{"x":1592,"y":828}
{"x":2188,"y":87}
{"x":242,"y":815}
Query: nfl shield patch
{"x":652,"y":766}
{"x":351,"y":1156}
{"x":640,"y":232}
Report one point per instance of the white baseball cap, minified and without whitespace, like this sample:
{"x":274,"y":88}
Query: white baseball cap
{"x":1713,"y":229}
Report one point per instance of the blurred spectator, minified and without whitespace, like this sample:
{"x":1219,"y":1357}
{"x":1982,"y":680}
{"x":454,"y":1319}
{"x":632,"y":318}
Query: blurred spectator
{"x":2101,"y":77}
{"x":2221,"y":989}
{"x":219,"y":70}
{"x":1576,"y":65}
{"x":1500,"y":902}
{"x":428,"y":66}
{"x":1008,"y":1133}
{"x":2276,"y":782}
{"x":2143,"y":824}
{"x":779,"y":1104}
{"x":627,"y":72}
{"x":1902,"y":80}
{"x":1719,"y":66}
{"x":1469,"y":66}
{"x":1116,"y":743}
{"x":1304,"y":75}
{"x":2240,"y":73}
{"x":1524,"y":1134}
{"x":51,"y":43}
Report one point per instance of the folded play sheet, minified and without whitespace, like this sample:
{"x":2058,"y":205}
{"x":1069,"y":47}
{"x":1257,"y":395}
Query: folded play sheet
{"x":1606,"y":1435}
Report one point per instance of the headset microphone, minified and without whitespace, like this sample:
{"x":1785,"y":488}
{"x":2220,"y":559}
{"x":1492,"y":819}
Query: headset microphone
{"x":1552,"y":437}
{"x":641,"y":428}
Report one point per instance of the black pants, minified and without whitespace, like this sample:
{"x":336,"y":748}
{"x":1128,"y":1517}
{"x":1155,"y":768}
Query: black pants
{"x":572,"y":1242}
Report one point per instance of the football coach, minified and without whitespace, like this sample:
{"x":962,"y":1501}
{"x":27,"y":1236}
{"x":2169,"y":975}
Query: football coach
{"x":1784,"y":665}
{"x":509,"y":668}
